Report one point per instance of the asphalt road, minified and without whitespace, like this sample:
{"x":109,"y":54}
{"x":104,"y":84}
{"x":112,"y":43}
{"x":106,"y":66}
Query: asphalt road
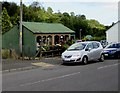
{"x":97,"y":76}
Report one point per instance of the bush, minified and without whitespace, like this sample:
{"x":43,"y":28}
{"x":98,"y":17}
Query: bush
{"x":46,"y":48}
{"x":64,"y":47}
{"x":5,"y":54}
{"x":70,"y":42}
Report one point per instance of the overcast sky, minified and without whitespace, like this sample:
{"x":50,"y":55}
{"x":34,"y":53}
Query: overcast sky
{"x":105,"y":11}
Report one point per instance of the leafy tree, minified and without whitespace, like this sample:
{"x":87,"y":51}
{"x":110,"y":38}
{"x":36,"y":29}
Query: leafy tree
{"x":49,"y":10}
{"x":72,"y":13}
{"x":36,"y":13}
{"x":6,"y":23}
{"x":35,"y":5}
{"x":11,"y":8}
{"x":83,"y":17}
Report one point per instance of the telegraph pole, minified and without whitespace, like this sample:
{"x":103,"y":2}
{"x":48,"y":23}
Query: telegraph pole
{"x":21,"y":52}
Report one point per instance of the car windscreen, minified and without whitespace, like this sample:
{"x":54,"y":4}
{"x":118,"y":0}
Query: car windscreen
{"x":77,"y":46}
{"x":114,"y":46}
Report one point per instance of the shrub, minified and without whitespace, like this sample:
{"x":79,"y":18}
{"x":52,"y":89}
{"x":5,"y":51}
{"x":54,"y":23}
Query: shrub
{"x":70,"y":42}
{"x":64,"y":47}
{"x":46,"y":48}
{"x":5,"y":54}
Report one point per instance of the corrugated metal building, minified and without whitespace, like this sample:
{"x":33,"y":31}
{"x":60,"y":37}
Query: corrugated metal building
{"x":34,"y":33}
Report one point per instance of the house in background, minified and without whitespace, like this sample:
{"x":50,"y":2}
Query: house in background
{"x":36,"y":33}
{"x":113,"y":34}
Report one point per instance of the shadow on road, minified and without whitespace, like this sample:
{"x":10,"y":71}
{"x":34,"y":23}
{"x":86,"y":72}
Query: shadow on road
{"x":90,"y":62}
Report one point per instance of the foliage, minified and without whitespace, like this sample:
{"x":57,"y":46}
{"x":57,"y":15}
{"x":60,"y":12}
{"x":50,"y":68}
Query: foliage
{"x":65,"y":46}
{"x":37,"y":13}
{"x":95,"y":24}
{"x":98,"y":38}
{"x":46,"y":48}
{"x":70,"y":42}
{"x":5,"y":54}
{"x":6,"y":23}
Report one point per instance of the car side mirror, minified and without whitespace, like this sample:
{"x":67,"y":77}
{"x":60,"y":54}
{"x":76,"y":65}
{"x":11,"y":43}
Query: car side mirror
{"x":88,"y":49}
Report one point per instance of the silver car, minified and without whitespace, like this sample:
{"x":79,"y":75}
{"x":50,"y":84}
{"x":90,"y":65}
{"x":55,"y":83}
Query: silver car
{"x":83,"y":52}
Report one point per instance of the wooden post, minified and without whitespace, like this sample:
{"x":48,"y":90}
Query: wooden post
{"x":53,"y":40}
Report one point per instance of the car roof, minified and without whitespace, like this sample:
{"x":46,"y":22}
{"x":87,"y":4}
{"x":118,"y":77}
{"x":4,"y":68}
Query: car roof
{"x":115,"y":43}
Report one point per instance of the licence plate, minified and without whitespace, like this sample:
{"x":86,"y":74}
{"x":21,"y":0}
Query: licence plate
{"x":106,"y":54}
{"x":67,"y":59}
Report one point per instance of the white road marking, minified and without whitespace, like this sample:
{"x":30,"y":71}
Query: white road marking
{"x":50,"y":79}
{"x":108,"y":66}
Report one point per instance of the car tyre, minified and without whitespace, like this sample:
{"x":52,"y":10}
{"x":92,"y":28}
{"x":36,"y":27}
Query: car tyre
{"x":85,"y":60}
{"x":102,"y":58}
{"x":62,"y":63}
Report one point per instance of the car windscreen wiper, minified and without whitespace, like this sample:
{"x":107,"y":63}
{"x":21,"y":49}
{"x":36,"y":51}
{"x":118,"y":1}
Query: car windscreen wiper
{"x":73,"y":49}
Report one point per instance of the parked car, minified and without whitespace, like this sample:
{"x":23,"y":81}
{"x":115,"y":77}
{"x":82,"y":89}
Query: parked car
{"x":112,"y":50}
{"x":83,"y":52}
{"x":104,"y":43}
{"x":77,"y":41}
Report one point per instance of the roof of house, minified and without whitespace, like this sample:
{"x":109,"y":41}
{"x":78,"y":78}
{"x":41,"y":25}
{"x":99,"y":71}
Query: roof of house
{"x":38,"y":27}
{"x":118,"y":22}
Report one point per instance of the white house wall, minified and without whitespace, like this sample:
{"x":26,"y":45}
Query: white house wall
{"x":119,"y":20}
{"x":119,"y":32}
{"x":112,"y":34}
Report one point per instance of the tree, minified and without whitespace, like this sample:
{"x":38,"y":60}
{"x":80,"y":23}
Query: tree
{"x":49,"y":10}
{"x":37,"y":13}
{"x":10,"y":7}
{"x":83,"y":17}
{"x":6,"y":23}
{"x":35,"y":4}
{"x":72,"y":13}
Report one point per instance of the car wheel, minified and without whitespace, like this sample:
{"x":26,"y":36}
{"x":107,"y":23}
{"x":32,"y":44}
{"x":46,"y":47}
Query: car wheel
{"x":102,"y":58}
{"x":85,"y":60}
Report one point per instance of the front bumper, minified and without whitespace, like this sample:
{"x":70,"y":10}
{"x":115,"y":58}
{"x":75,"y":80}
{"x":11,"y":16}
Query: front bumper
{"x":109,"y":55}
{"x":71,"y":60}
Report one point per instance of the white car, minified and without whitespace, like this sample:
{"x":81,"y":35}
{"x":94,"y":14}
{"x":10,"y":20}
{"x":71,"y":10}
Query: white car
{"x":83,"y":52}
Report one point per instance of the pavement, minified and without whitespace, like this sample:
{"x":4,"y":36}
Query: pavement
{"x":9,"y":65}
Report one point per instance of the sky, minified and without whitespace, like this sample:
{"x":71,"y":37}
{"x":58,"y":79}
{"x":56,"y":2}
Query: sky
{"x":104,"y":11}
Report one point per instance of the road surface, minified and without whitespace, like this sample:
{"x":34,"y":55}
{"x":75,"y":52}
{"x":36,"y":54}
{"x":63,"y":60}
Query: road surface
{"x":96,"y":76}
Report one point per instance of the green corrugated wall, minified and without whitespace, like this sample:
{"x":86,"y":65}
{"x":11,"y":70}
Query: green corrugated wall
{"x":29,"y":43}
{"x":0,"y":41}
{"x":10,"y":39}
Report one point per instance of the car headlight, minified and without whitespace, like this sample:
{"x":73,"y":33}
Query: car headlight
{"x":104,"y":51}
{"x":62,"y":55}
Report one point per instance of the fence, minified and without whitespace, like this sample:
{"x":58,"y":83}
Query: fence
{"x":12,"y":53}
{"x":51,"y":53}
